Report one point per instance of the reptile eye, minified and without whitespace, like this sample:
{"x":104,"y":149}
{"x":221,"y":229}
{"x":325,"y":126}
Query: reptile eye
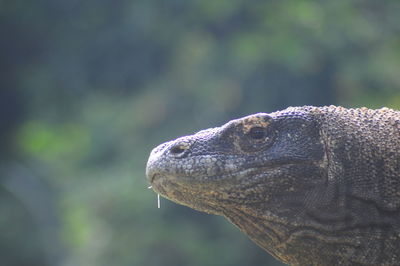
{"x":257,"y":133}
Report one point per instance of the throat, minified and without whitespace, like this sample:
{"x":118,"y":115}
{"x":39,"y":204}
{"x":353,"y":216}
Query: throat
{"x":267,"y":231}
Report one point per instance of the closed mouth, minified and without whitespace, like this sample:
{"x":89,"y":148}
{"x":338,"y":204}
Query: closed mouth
{"x":154,"y":177}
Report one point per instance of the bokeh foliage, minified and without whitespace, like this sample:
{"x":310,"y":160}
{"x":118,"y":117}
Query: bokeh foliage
{"x":89,"y":87}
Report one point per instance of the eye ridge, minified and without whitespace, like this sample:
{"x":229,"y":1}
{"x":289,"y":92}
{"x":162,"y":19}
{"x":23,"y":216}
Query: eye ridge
{"x":257,"y":133}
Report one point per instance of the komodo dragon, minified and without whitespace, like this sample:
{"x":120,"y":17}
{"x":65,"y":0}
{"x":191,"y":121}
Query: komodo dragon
{"x":310,"y":185}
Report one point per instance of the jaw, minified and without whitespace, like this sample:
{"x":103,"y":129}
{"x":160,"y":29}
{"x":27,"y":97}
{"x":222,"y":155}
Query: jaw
{"x":189,"y":194}
{"x":265,"y":189}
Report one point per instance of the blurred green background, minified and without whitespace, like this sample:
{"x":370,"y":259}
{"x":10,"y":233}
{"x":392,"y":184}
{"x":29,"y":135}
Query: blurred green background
{"x":88,"y":88}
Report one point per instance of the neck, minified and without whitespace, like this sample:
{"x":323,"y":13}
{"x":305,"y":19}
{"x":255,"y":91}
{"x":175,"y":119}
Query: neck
{"x":266,"y":230}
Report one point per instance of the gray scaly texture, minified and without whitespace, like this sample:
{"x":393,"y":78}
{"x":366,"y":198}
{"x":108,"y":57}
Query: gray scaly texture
{"x":310,"y":185}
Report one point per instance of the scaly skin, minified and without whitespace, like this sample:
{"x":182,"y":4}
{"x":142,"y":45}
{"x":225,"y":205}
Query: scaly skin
{"x":310,"y":185}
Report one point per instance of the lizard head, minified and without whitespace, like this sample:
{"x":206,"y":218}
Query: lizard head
{"x":312,"y":186}
{"x":258,"y":160}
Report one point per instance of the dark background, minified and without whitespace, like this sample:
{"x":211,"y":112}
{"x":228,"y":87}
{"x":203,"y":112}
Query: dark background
{"x":88,"y":88}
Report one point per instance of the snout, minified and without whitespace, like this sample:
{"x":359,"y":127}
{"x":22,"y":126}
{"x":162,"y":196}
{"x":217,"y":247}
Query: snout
{"x":165,"y":157}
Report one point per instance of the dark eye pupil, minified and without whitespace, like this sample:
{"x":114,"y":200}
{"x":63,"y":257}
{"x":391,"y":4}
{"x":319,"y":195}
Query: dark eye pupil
{"x":257,"y":133}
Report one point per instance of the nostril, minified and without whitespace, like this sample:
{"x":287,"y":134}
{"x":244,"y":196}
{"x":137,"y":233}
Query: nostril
{"x":179,"y":149}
